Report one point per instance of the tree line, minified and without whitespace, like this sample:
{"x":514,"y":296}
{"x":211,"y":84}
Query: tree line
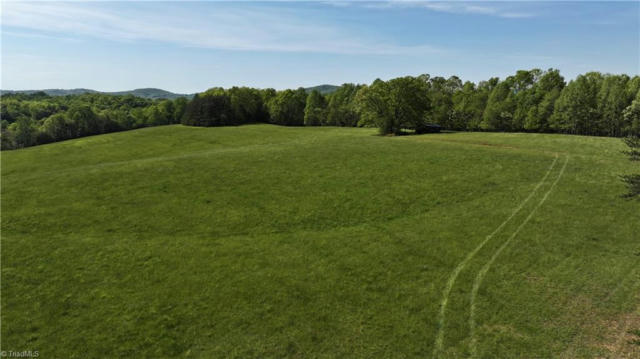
{"x":33,"y":119}
{"x":633,"y":180}
{"x":528,"y":101}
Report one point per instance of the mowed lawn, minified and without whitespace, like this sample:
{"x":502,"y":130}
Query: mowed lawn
{"x":266,"y":242}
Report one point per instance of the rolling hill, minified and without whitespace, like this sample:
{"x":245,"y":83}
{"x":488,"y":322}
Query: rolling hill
{"x":323,"y":89}
{"x":150,"y":93}
{"x":264,"y":241}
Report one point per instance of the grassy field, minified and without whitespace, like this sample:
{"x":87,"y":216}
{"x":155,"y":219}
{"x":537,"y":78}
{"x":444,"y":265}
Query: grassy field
{"x":262,"y":241}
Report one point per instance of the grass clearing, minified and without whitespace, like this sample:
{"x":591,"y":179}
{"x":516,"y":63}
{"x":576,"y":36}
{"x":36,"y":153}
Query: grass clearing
{"x":266,"y":241}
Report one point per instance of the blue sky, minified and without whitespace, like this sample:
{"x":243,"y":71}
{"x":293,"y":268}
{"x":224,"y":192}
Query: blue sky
{"x":192,"y":46}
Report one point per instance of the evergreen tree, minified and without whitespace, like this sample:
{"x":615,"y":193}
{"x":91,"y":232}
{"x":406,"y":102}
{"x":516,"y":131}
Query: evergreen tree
{"x":246,"y":104}
{"x":193,"y":112}
{"x":217,"y":111}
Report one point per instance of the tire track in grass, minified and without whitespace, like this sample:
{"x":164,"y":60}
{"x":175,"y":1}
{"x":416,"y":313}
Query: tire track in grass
{"x":454,"y":274}
{"x":482,"y":273}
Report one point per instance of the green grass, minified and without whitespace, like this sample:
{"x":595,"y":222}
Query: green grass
{"x":262,"y":241}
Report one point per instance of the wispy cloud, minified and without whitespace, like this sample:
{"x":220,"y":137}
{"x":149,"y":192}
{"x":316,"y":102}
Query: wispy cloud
{"x":38,"y":36}
{"x":504,"y":10}
{"x":245,"y":28}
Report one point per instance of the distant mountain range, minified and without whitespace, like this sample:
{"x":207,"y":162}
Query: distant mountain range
{"x":323,"y":89}
{"x":150,"y":93}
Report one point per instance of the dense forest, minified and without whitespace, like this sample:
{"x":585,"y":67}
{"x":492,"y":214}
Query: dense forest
{"x":33,"y":119}
{"x":529,"y":101}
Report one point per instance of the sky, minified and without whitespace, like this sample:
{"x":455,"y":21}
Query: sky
{"x":188,"y":47}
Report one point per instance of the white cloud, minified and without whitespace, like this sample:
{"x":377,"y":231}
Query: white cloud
{"x":242,"y":28}
{"x":498,"y":9}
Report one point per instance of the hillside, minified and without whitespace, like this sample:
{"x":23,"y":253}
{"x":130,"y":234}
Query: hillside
{"x":52,"y":92}
{"x":323,"y":89}
{"x":265,"y":241}
{"x":150,"y":93}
